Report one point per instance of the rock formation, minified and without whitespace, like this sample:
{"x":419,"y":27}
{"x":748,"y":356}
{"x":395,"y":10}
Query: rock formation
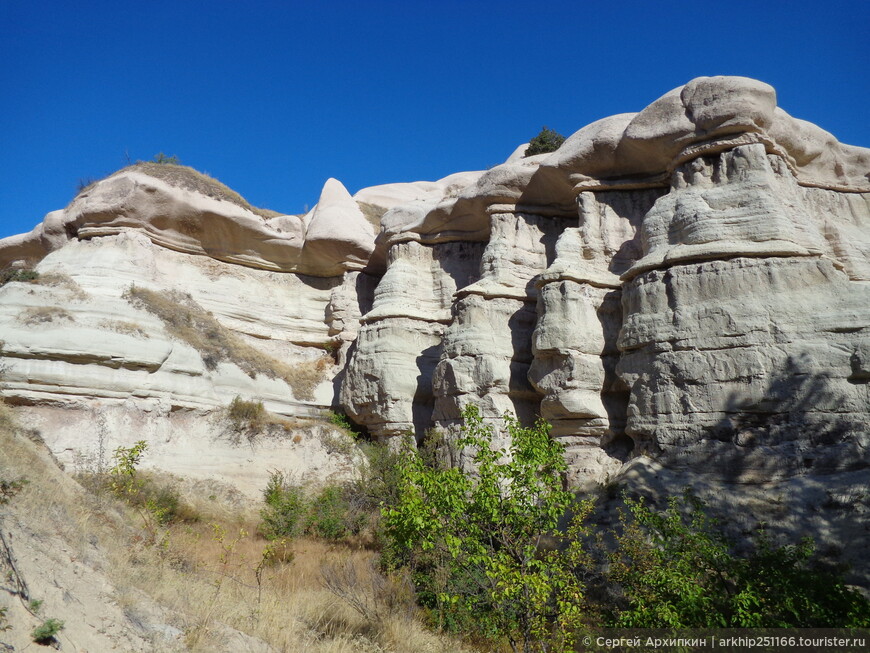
{"x":686,"y":288}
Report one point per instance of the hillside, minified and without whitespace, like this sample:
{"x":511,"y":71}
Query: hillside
{"x":682,"y":292}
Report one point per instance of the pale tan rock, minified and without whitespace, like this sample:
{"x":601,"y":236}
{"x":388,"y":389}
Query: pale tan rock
{"x":64,"y":346}
{"x":337,"y":231}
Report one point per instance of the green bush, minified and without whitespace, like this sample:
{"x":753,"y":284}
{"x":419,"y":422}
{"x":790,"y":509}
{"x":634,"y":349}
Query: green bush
{"x":18,"y":274}
{"x":285,"y":509}
{"x":162,"y":159}
{"x":329,"y":514}
{"x":546,"y":141}
{"x":45,"y":632}
{"x":473,"y":543}
{"x":676,"y":569}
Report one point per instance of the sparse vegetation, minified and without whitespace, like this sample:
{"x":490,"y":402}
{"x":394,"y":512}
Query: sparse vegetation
{"x":44,"y":314}
{"x":158,"y":504}
{"x":61,"y":280}
{"x":342,"y":421}
{"x":23,"y":275}
{"x":163,"y":159}
{"x":125,"y":327}
{"x":246,"y":415}
{"x":189,"y":322}
{"x":169,"y":169}
{"x":45,"y":633}
{"x":8,"y":489}
{"x":546,"y":141}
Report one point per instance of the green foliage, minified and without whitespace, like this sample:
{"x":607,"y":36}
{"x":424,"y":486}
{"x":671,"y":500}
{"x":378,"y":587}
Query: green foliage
{"x":284,"y":512}
{"x":25,"y":275}
{"x":246,"y":415}
{"x":475,"y":544}
{"x":123,"y":473}
{"x":328,"y":514}
{"x":162,"y":159}
{"x":4,"y":624}
{"x":546,"y":141}
{"x":677,"y":570}
{"x":45,"y":632}
{"x":340,"y":420}
{"x":8,"y":489}
{"x":334,"y":512}
{"x":158,"y":503}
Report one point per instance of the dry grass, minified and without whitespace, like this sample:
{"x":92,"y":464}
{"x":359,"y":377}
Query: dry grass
{"x":125,"y":327}
{"x":64,"y":281}
{"x":36,"y":315}
{"x":189,"y":322}
{"x":217,"y":574}
{"x":186,"y":177}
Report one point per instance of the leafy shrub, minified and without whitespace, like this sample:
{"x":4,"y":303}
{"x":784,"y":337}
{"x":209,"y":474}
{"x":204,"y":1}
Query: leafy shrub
{"x":45,"y":632}
{"x":25,"y":275}
{"x":284,"y":512}
{"x":547,"y":140}
{"x":328,"y":514}
{"x":676,"y":569}
{"x":473,"y":542}
{"x":289,"y":511}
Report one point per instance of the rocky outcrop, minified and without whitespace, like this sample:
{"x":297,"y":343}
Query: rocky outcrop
{"x":682,"y":285}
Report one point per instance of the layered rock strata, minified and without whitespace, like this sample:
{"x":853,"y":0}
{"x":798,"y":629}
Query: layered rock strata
{"x":687,"y":284}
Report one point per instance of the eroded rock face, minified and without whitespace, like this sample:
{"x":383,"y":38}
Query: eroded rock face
{"x":686,"y":285}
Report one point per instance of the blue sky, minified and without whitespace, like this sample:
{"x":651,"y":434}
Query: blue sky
{"x":272,"y":98}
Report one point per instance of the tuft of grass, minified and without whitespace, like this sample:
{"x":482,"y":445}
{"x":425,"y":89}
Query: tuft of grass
{"x":125,"y":327}
{"x":36,"y":315}
{"x":189,"y":322}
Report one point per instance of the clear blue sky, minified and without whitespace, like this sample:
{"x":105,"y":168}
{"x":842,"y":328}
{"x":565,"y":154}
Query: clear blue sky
{"x":272,"y":98}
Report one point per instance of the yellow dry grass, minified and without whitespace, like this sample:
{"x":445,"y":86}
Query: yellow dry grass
{"x":217,"y":573}
{"x":125,"y":327}
{"x":64,"y":281}
{"x":189,"y":322}
{"x":36,"y":315}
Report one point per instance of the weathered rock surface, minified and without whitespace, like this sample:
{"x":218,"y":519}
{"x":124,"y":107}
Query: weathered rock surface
{"x":686,"y":288}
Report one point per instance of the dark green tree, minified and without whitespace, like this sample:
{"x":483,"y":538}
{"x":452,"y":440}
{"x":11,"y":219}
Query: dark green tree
{"x":546,"y":141}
